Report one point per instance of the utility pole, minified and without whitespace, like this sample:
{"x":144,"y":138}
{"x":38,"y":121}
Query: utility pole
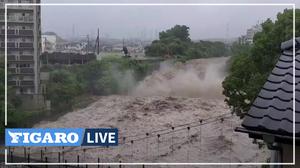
{"x":73,"y":31}
{"x":98,"y":43}
{"x":88,"y":44}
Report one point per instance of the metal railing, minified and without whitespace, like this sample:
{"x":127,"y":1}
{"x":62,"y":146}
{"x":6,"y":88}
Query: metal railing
{"x":17,"y":18}
{"x":143,"y":146}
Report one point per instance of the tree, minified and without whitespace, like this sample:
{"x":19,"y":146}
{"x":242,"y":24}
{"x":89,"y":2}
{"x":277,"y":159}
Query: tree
{"x":180,"y":32}
{"x":62,"y":88}
{"x":176,"y":42}
{"x":251,"y":65}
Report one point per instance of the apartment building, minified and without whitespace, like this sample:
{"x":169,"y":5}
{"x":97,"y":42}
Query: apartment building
{"x":23,"y":45}
{"x":248,"y":38}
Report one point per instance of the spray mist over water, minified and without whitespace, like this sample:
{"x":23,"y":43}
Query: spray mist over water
{"x":195,"y":78}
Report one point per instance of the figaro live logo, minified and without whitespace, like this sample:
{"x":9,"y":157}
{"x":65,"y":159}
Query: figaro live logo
{"x":61,"y":137}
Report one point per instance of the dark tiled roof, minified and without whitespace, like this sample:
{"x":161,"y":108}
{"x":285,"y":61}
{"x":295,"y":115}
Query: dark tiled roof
{"x":272,"y":110}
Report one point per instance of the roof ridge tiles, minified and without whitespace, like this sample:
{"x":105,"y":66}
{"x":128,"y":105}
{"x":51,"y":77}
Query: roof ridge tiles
{"x":287,"y":45}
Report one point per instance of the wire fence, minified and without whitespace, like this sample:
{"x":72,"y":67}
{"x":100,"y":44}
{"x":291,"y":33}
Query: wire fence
{"x":143,"y":147}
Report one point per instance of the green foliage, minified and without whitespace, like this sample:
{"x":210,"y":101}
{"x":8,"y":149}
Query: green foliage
{"x":177,"y":32}
{"x":63,"y":88}
{"x":205,"y":49}
{"x":250,"y":65}
{"x":111,"y":75}
{"x":176,"y":42}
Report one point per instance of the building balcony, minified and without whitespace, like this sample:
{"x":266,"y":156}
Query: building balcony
{"x":17,"y":19}
{"x":18,"y":2}
{"x":20,"y":83}
{"x":26,"y":58}
{"x":12,"y":70}
{"x":21,"y":58}
{"x":16,"y":71}
{"x":26,"y":71}
{"x":12,"y":83}
{"x":9,"y":32}
{"x":25,"y":32}
{"x":27,"y":83}
{"x":20,"y":7}
{"x":26,"y":45}
{"x":11,"y":46}
{"x":11,"y":58}
{"x":17,"y":7}
{"x":15,"y":32}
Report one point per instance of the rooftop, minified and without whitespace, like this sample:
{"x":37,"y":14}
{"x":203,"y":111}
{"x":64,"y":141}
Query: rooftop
{"x":272,"y":111}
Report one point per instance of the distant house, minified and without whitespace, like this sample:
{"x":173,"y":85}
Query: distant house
{"x":251,"y":32}
{"x":248,"y":38}
{"x":51,"y":42}
{"x":48,"y":43}
{"x":271,"y":116}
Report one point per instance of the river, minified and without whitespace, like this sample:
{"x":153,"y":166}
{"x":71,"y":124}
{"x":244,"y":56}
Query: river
{"x":178,"y":96}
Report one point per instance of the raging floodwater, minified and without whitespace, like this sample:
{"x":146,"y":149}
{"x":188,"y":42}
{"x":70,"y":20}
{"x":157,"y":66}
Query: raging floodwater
{"x":171,"y":97}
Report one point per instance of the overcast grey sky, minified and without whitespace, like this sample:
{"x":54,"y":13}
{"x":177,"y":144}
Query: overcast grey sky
{"x":146,"y":21}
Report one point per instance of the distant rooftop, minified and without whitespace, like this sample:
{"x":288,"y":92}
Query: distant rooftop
{"x":58,"y":38}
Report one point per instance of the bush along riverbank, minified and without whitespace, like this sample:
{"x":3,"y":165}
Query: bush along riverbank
{"x":111,"y":75}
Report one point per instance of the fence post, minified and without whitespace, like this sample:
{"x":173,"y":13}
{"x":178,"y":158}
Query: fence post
{"x":66,"y":162}
{"x":188,"y":141}
{"x":231,"y":139}
{"x":131,"y":149}
{"x":41,"y":155}
{"x":147,"y":145}
{"x":58,"y":157}
{"x":124,"y":145}
{"x":28,"y":155}
{"x":46,"y":160}
{"x":84,"y":155}
{"x":106,"y":152}
{"x":98,"y":162}
{"x":11,"y":157}
{"x":158,"y":135}
{"x":200,"y":137}
{"x":63,"y":154}
{"x":172,"y":139}
{"x":222,"y":120}
{"x":25,"y":153}
{"x":78,"y":160}
{"x":9,"y":151}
